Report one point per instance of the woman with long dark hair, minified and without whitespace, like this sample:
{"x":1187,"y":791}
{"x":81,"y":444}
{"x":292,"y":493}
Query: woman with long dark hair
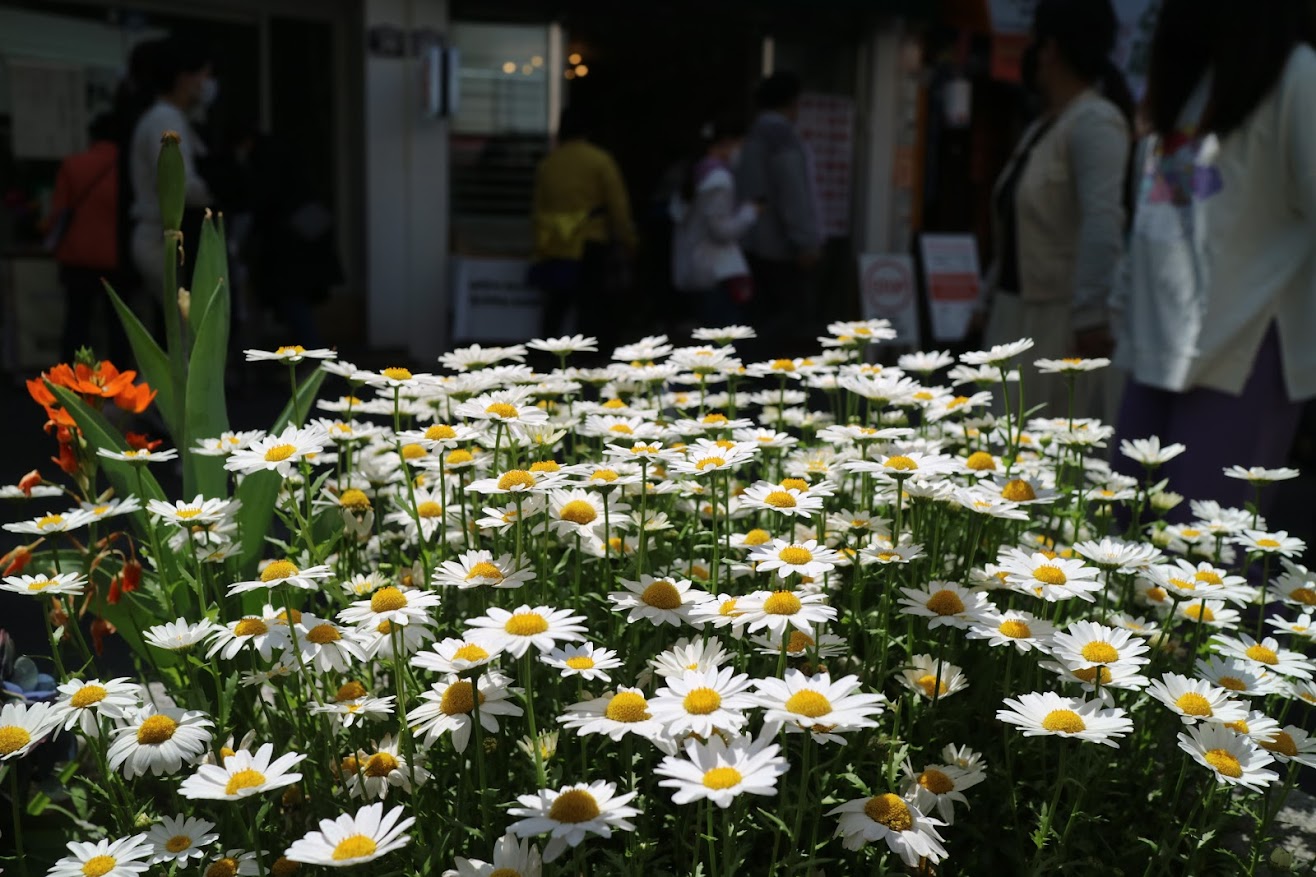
{"x":1059,"y":206}
{"x":1216,"y":317}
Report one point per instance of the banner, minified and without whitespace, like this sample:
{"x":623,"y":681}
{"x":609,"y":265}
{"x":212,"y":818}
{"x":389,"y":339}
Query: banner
{"x":952,"y":279}
{"x":887,"y":291}
{"x":492,"y":301}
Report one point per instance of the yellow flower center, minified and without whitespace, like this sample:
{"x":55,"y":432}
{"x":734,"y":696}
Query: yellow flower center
{"x":782,"y":603}
{"x":580,"y":662}
{"x":351,"y":691}
{"x":780,"y":499}
{"x":722,"y":778}
{"x":41,"y":584}
{"x":1100,"y":652}
{"x":1063,"y":722}
{"x":225,"y":867}
{"x":1281,"y":743}
{"x":728,"y":608}
{"x":1267,"y":543}
{"x":545,"y":466}
{"x":1262,"y":654}
{"x":13,"y":738}
{"x":621,"y":429}
{"x":354,"y":499}
{"x":244,"y":779}
{"x":605,"y":475}
{"x":459,"y":456}
{"x":1088,"y":674}
{"x":98,"y":865}
{"x":50,"y":521}
{"x":156,"y":730}
{"x":1305,"y":596}
{"x":459,"y":699}
{"x":1014,"y":629}
{"x":707,"y":462}
{"x":794,"y":484}
{"x":525,"y":624}
{"x":279,"y":569}
{"x":928,"y":682}
{"x":323,"y":633}
{"x":808,"y":703}
{"x":702,"y":701}
{"x":387,"y":599}
{"x":178,"y":843}
{"x":980,"y":461}
{"x":614,"y":404}
{"x":516,"y":478}
{"x":1018,"y":490}
{"x":397,"y":373}
{"x":283,"y":616}
{"x":799,"y":641}
{"x":661,"y":595}
{"x":757,"y":537}
{"x":1050,"y":575}
{"x":1198,"y":612}
{"x":890,"y":811}
{"x":1194,"y":704}
{"x":357,"y":846}
{"x":440,"y":432}
{"x":279,"y":453}
{"x":470,"y":652}
{"x":381,"y":764}
{"x":413,"y":452}
{"x":1224,"y":762}
{"x":284,"y":867}
{"x":574,"y":806}
{"x":87,"y":695}
{"x":945,"y":602}
{"x":578,"y":512}
{"x":627,"y":707}
{"x":901,"y":463}
{"x":485,"y":570}
{"x":795,"y":555}
{"x":502,"y":409}
{"x":186,"y":514}
{"x":936,"y":782}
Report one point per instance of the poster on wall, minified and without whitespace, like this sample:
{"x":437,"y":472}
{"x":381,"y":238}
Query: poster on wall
{"x":826,"y":124}
{"x":952,"y":281}
{"x":47,"y":107}
{"x":887,"y":291}
{"x":492,"y":301}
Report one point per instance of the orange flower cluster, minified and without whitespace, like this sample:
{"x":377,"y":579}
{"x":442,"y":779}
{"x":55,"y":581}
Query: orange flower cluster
{"x":94,"y":385}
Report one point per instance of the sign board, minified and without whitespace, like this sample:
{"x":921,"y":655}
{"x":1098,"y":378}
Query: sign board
{"x":951,"y":275}
{"x":887,"y":291}
{"x":492,"y":301}
{"x":826,"y":125}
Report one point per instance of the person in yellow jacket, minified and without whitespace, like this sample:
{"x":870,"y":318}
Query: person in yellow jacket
{"x":582,"y":219}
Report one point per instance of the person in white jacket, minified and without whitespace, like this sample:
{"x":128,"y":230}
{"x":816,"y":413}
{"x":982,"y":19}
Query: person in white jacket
{"x":707,"y":260}
{"x":1215,"y":314}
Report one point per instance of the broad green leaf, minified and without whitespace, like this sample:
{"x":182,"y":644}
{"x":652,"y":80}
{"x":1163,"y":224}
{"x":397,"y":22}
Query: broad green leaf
{"x":210,"y":276}
{"x":152,"y":364}
{"x":206,"y":412}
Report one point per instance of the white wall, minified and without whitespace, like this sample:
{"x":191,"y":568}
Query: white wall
{"x":406,"y":184}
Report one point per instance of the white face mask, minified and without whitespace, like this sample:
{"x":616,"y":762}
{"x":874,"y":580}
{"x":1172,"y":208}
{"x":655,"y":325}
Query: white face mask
{"x":209,"y":91}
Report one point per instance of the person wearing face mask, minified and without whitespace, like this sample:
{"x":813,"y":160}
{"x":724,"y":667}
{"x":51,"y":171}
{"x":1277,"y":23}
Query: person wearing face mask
{"x":1058,"y":206}
{"x":182,"y":81}
{"x":707,"y":261}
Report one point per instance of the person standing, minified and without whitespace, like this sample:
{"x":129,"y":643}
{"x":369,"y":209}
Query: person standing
{"x":1058,"y":207}
{"x":1216,"y":313}
{"x":582,"y":217}
{"x":84,"y":216}
{"x":785,"y":242}
{"x":181,"y":81}
{"x":707,"y":261}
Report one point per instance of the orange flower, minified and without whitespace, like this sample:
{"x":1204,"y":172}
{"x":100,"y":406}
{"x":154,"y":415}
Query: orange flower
{"x":29,"y":481}
{"x":139,"y":442}
{"x":16,"y":560}
{"x":100,"y":628}
{"x":104,"y":381}
{"x":67,"y":460}
{"x":135,"y":399}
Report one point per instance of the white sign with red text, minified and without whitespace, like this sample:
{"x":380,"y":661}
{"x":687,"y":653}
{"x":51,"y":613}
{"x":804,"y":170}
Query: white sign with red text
{"x":887,"y":291}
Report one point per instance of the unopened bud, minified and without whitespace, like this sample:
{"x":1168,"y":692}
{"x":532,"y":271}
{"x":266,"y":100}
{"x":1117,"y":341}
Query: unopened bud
{"x":184,"y":303}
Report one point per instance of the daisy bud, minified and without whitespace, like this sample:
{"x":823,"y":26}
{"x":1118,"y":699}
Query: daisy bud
{"x":1281,"y":859}
{"x":184,"y":303}
{"x":171,"y":181}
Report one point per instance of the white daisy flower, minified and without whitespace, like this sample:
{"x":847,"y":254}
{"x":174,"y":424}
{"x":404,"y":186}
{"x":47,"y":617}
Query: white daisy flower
{"x":801,"y":558}
{"x":1238,"y":676}
{"x":396,"y":605}
{"x":474,"y":569}
{"x":352,"y":839}
{"x":1196,"y":700}
{"x":516,"y":482}
{"x":289,"y":353}
{"x":1260,"y":474}
{"x":179,"y":838}
{"x":944,"y":603}
{"x":138,"y":456}
{"x":52,"y":523}
{"x":719,"y":771}
{"x":572,"y":812}
{"x":1291,"y":744}
{"x":1047,"y":713}
{"x":893,"y":820}
{"x":284,"y":572}
{"x":1149,"y":451}
{"x":585,"y":660}
{"x":702,"y":701}
{"x":82,"y":703}
{"x":778,"y":610}
{"x":281,"y":453}
{"x":23,"y":725}
{"x":1234,"y":758}
{"x":688,"y":654}
{"x":615,"y":715}
{"x":660,"y":601}
{"x":1070,"y":365}
{"x":105,"y":858}
{"x":265,"y":635}
{"x":1278,"y":542}
{"x":819,"y":705}
{"x":449,"y":707}
{"x":159,"y":741}
{"x":190,"y":514}
{"x":453,"y":655}
{"x":243,"y":774}
{"x":1209,"y":612}
{"x":1051,"y":578}
{"x":323,"y":645}
{"x":373,"y":772}
{"x":799,"y":644}
{"x":350,"y":711}
{"x":772,"y":497}
{"x":515,"y":632}
{"x":565,"y":344}
{"x":921,"y":676}
{"x":179,"y":634}
{"x":513,"y":410}
{"x":111,"y":508}
{"x":941,"y":786}
{"x":70,"y":583}
{"x":1086,"y":644}
{"x":233,"y":863}
{"x":1265,"y":655}
{"x":579,"y":511}
{"x":511,"y":858}
{"x":226,"y":443}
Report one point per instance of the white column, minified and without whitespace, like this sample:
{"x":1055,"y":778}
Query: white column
{"x":879,"y":115}
{"x":406,"y":183}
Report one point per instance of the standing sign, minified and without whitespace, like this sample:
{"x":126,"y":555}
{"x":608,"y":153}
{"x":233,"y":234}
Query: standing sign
{"x":887,"y":291}
{"x":492,"y":301}
{"x":950,"y":272}
{"x":826,"y":125}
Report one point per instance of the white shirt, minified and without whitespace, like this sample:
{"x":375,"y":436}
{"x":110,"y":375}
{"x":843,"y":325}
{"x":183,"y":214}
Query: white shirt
{"x":162,"y":116}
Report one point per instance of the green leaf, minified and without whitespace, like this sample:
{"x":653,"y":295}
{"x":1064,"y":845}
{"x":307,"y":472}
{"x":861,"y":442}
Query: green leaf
{"x":152,"y":364}
{"x":210,"y":276}
{"x":206,"y":412}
